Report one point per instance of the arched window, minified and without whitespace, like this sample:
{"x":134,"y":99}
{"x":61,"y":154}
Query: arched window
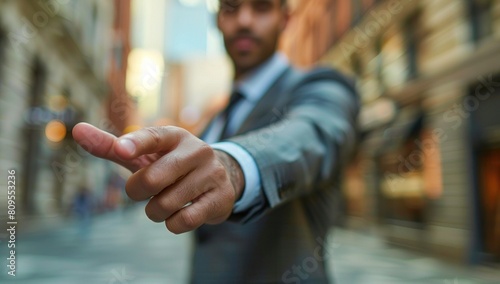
{"x":481,"y":19}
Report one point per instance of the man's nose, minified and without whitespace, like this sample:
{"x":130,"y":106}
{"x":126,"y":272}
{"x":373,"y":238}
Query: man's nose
{"x":245,"y":16}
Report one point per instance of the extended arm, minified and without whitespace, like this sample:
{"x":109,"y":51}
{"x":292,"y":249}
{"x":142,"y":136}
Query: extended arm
{"x":305,"y":149}
{"x":171,"y":168}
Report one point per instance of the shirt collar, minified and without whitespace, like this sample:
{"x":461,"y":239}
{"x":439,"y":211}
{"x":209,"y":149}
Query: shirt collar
{"x":255,"y":85}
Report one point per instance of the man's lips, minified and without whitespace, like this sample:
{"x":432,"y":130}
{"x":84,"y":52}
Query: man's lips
{"x":244,"y":43}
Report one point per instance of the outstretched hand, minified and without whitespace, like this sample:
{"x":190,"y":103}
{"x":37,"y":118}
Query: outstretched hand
{"x":171,"y":168}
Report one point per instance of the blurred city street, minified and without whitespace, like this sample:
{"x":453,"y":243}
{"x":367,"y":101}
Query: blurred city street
{"x":419,"y":196}
{"x":120,"y":247}
{"x":364,"y":258}
{"x":125,"y":247}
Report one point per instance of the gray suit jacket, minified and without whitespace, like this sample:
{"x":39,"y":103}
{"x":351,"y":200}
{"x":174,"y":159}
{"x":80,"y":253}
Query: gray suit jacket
{"x":300,"y":134}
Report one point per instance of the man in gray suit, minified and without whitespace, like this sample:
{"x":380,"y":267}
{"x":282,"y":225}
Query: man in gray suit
{"x":260,"y":189}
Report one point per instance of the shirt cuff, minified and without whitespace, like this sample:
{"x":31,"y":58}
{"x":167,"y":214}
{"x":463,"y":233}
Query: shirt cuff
{"x":252,"y":192}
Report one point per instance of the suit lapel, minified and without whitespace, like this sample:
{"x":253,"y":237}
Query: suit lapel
{"x":264,"y":107}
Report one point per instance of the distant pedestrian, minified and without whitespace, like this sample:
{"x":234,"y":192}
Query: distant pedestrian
{"x":82,"y":209}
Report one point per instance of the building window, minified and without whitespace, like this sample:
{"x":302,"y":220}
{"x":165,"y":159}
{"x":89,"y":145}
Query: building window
{"x":481,"y":19}
{"x":394,"y":66}
{"x":484,"y":140}
{"x":404,"y":192}
{"x":412,"y":42}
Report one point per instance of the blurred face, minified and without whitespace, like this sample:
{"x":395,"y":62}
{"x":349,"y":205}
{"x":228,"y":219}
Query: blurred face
{"x":251,"y":30}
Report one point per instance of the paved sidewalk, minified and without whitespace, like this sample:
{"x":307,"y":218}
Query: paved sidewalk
{"x":118,"y":248}
{"x":126,"y":248}
{"x":364,"y":258}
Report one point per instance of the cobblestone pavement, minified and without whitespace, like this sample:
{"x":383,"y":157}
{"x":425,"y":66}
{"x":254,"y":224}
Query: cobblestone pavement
{"x":126,"y":248}
{"x":363,"y":258}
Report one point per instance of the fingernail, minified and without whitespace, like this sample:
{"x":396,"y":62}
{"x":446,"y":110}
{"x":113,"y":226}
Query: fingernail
{"x":127,"y":145}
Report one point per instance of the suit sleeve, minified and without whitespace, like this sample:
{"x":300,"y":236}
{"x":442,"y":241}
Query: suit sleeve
{"x":305,"y":145}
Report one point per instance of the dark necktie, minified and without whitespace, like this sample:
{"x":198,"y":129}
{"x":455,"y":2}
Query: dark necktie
{"x":236,"y":97}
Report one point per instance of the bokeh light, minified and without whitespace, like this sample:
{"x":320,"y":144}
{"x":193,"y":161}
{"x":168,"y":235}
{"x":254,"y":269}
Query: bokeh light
{"x":55,"y":131}
{"x":131,"y":128}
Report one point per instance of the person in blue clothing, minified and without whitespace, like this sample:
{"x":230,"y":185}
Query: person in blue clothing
{"x":82,"y":208}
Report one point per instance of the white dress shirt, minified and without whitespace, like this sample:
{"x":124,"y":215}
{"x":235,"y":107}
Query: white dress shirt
{"x":252,"y":87}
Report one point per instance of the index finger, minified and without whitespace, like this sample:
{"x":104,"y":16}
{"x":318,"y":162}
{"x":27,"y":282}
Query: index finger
{"x":97,"y":142}
{"x":150,"y":140}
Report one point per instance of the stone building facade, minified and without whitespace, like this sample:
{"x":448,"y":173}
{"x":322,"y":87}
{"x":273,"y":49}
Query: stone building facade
{"x":427,"y":173}
{"x":58,"y":59}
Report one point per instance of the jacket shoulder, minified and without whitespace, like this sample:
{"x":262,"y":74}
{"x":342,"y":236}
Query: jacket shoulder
{"x":299,"y":78}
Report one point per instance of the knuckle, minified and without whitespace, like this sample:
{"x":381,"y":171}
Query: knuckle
{"x":165,"y":205}
{"x":152,"y":213}
{"x":154,"y":133}
{"x":200,"y":152}
{"x":177,"y":131}
{"x":205,"y":150}
{"x":172,"y":227}
{"x":219,"y":173}
{"x":175,"y":163}
{"x":149,"y":181}
{"x":130,"y":192}
{"x":190,"y":219}
{"x":230,"y":194}
{"x":222,"y":208}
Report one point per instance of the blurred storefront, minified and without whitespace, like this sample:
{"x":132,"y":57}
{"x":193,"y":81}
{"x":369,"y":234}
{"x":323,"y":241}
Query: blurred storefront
{"x":427,"y":172}
{"x":484,"y":134}
{"x":58,"y":60}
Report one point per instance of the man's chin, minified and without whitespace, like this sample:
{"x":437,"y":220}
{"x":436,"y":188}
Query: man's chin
{"x":245,"y":68}
{"x":247,"y":62}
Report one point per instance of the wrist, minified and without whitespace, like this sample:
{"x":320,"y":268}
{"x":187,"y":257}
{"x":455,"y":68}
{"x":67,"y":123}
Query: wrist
{"x":234,"y":172}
